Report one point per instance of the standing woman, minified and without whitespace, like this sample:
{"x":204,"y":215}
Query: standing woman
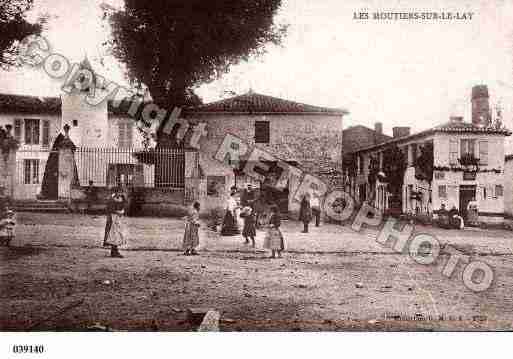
{"x":305,"y":212}
{"x":116,"y":234}
{"x":274,"y":238}
{"x":230,"y":227}
{"x":191,"y":235}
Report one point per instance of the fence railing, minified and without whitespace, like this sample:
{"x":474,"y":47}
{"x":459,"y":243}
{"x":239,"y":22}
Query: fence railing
{"x":163,"y":168}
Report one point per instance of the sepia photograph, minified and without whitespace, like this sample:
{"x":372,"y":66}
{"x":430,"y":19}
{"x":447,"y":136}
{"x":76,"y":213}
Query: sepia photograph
{"x":263,"y":166}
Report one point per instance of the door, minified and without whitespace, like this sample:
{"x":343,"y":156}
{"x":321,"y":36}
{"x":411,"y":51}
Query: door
{"x":467,"y":194}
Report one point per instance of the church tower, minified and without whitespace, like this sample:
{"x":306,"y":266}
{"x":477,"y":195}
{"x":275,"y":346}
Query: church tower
{"x":88,"y":123}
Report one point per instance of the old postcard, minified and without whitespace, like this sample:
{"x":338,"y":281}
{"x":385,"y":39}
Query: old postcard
{"x":254,"y":166}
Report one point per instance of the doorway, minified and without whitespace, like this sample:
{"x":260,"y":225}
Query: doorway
{"x":467,"y":194}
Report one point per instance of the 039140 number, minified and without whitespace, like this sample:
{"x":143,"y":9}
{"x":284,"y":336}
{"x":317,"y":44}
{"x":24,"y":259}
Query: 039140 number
{"x":28,"y":349}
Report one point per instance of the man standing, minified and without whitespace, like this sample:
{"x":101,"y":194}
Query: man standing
{"x":316,"y":208}
{"x":305,"y":212}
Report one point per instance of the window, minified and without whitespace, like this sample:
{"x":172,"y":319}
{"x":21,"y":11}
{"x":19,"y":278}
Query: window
{"x":453,"y":152}
{"x":17,"y":129}
{"x":125,"y":134}
{"x":31,"y":131}
{"x":467,"y":147}
{"x":46,"y":133}
{"x":75,"y":123}
{"x":442,"y":191}
{"x":31,"y":171}
{"x":484,"y":192}
{"x":262,"y":132}
{"x":483,"y":152}
{"x":361,"y":163}
{"x":499,"y":192}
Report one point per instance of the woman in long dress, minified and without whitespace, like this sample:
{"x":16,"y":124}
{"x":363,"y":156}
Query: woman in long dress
{"x":116,"y":232}
{"x":230,"y":226}
{"x":191,"y":235}
{"x":274,"y":238}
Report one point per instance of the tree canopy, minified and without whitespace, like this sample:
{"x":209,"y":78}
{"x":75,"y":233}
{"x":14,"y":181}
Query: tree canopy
{"x":14,"y":27}
{"x":172,"y":46}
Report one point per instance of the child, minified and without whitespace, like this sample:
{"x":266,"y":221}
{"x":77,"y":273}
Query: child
{"x":7,"y":223}
{"x":248,"y":230}
{"x":191,"y":235}
{"x":274,"y":238}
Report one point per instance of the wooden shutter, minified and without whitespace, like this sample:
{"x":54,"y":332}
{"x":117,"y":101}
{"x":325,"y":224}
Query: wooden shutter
{"x":17,"y":129}
{"x":46,"y":133}
{"x":121,"y":134}
{"x":483,"y":152}
{"x":453,"y":152}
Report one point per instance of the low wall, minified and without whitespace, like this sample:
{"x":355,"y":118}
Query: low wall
{"x":141,"y":201}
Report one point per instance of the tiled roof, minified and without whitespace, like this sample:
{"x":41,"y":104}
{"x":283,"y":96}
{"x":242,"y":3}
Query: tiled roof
{"x":252,"y":102}
{"x":45,"y":105}
{"x":469,"y":127}
{"x":449,"y":127}
{"x":29,"y":104}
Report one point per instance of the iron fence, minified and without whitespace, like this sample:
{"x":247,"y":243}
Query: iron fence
{"x":163,"y":168}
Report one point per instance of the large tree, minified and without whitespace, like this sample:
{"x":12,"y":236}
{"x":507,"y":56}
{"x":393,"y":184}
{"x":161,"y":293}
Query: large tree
{"x":13,"y":28}
{"x":172,"y":46}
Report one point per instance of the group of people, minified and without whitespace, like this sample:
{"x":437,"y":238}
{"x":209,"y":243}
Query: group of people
{"x":249,"y":211}
{"x":252,"y":211}
{"x":451,"y":218}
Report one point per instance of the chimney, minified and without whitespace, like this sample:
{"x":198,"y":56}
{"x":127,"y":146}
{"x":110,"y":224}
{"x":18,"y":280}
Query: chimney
{"x":456,"y":120}
{"x":400,"y":131}
{"x":480,"y":105}
{"x":378,"y":128}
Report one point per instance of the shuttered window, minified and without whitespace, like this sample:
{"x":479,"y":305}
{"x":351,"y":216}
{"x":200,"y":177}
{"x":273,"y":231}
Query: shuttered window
{"x":468,"y":147}
{"x":32,"y":131}
{"x":483,"y":152}
{"x":453,"y":152}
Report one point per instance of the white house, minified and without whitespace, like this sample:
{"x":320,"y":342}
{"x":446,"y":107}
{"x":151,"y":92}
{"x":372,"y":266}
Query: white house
{"x":468,"y":165}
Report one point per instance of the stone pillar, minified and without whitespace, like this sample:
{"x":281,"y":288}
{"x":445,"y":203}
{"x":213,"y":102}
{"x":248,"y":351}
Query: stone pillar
{"x":7,"y":173}
{"x":66,"y":166}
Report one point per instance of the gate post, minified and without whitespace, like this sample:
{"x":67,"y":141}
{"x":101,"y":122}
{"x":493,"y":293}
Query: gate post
{"x":195,"y":184}
{"x":9,"y":146}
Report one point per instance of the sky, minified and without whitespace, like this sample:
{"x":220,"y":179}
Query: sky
{"x":401,"y":73}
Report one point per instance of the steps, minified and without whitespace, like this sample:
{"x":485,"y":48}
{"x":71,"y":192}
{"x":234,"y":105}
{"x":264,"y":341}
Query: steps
{"x":46,"y":206}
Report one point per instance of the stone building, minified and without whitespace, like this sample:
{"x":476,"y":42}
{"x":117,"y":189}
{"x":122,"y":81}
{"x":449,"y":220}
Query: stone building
{"x":305,"y":136}
{"x":508,"y":188}
{"x":452,"y":164}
